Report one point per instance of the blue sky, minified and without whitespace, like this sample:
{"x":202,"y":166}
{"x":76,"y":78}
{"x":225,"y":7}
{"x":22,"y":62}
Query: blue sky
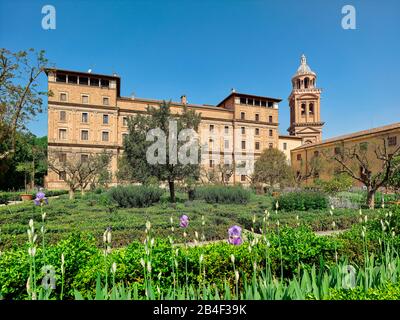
{"x":163,"y":49}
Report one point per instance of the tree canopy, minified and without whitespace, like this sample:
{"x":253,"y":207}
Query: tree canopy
{"x":271,"y":168}
{"x":158,"y":144}
{"x":20,"y":97}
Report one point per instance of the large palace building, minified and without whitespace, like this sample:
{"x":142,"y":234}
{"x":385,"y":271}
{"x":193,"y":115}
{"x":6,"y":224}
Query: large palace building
{"x":87,"y":115}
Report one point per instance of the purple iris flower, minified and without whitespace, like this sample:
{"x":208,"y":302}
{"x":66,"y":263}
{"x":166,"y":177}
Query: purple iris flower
{"x":40,"y":199}
{"x":235,"y":235}
{"x":184,"y":221}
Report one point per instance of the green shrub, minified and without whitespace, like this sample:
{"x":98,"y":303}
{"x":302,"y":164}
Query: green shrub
{"x":135,"y":196}
{"x":223,"y":194}
{"x":339,"y":183}
{"x":78,"y":250}
{"x":302,"y":201}
{"x":84,"y":262}
{"x":390,"y":291}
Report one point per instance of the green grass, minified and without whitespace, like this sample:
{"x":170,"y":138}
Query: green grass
{"x":90,"y":214}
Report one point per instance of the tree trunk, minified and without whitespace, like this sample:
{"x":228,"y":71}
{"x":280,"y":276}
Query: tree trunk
{"x":82,"y":191}
{"x":171,"y":185}
{"x":71,"y":194}
{"x":371,"y":198}
{"x":33,"y":175}
{"x":191,"y":194}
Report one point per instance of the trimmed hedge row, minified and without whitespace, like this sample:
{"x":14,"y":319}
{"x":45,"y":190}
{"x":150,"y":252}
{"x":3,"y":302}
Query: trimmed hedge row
{"x":302,"y":201}
{"x":135,"y":196}
{"x":223,"y":194}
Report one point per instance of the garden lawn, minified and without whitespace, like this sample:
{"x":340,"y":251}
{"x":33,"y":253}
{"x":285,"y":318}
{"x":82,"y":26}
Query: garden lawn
{"x":91,"y":214}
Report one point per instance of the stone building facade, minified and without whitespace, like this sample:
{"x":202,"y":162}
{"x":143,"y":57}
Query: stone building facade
{"x":370,"y":145}
{"x":87,"y":115}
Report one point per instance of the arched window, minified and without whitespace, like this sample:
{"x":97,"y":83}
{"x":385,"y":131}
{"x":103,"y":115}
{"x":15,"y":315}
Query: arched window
{"x":298,"y":83}
{"x":303,"y":109}
{"x":307,"y":142}
{"x":306,"y":82}
{"x":311,"y":108}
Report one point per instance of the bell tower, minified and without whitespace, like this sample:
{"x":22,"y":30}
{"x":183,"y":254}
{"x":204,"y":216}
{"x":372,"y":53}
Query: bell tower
{"x":304,"y":103}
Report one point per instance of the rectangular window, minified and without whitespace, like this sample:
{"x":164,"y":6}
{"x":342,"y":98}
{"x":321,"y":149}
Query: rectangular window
{"x":243,"y":145}
{"x":337,"y":150}
{"x":94,"y":82}
{"x":303,"y":109}
{"x":211,"y":128}
{"x":226,"y":129}
{"x":105,"y":83}
{"x":62,"y":157}
{"x":311,"y":109}
{"x":243,"y":178}
{"x":270,"y":119}
{"x":284,"y":146}
{"x":62,"y":175}
{"x":392,"y":141}
{"x":242,"y":115}
{"x":105,"y":118}
{"x":250,"y":101}
{"x":62,"y":134}
{"x":270,"y":104}
{"x":125,"y":121}
{"x":85,"y":117}
{"x":242,"y":100}
{"x":63,"y":96}
{"x":104,"y":136}
{"x":84,"y":80}
{"x":257,"y":131}
{"x":298,"y":157}
{"x":84,"y":157}
{"x":85,"y":135}
{"x":243,"y":130}
{"x":106,"y":101}
{"x":211,"y":144}
{"x":257,"y":102}
{"x":270,"y":145}
{"x":270,"y":133}
{"x":316,"y":153}
{"x":63,"y":116}
{"x":257,"y":145}
{"x":85,"y":99}
{"x":257,"y":117}
{"x":61,"y":77}
{"x":211,"y":163}
{"x":72,"y":79}
{"x":226,"y":144}
{"x":263,"y":103}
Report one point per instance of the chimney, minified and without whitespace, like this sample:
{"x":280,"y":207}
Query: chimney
{"x":183,"y":99}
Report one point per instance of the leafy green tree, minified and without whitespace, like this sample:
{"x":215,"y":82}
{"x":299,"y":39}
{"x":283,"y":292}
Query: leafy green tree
{"x":271,"y":168}
{"x":28,"y":148}
{"x":26,"y":168}
{"x":20,"y":99}
{"x":339,"y":182}
{"x":137,"y":145}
